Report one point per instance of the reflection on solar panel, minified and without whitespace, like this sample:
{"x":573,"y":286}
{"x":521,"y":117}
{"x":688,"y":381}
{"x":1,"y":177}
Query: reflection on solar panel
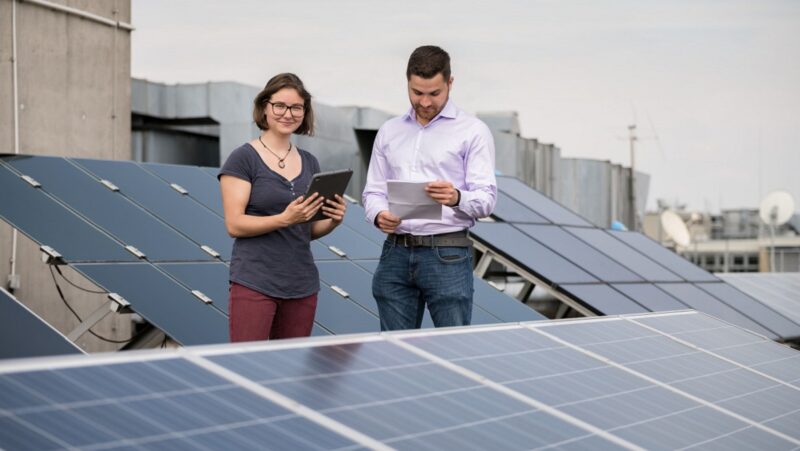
{"x":781,"y":291}
{"x":24,"y":334}
{"x":615,"y":383}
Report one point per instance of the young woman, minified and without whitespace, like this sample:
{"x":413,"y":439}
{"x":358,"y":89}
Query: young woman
{"x":274,"y":282}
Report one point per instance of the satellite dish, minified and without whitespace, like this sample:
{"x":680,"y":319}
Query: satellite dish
{"x":675,"y":228}
{"x":777,"y":208}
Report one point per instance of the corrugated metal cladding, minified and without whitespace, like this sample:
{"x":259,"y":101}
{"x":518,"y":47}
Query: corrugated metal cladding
{"x":202,"y":123}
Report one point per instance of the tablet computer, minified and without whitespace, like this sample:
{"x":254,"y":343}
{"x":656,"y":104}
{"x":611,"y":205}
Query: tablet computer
{"x":327,"y":184}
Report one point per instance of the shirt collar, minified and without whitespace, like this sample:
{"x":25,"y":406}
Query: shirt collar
{"x":449,"y":111}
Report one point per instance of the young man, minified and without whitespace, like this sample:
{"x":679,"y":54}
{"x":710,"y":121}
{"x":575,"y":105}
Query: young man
{"x":429,"y":262}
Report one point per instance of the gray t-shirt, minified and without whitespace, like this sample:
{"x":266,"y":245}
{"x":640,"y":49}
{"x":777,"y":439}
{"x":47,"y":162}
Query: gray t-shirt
{"x":278,"y":264}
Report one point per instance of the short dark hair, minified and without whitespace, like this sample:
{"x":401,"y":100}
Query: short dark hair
{"x":275,"y":84}
{"x":427,"y":61}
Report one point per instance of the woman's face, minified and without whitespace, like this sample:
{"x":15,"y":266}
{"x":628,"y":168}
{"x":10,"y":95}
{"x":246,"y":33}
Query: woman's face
{"x":285,"y":111}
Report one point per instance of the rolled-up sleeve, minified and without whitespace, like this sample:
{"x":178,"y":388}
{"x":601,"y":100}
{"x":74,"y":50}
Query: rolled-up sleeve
{"x":480,"y":194}
{"x":375,"y":198}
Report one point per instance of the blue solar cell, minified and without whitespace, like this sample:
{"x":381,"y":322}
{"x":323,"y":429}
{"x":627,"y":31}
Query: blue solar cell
{"x":32,"y":212}
{"x":355,"y":218}
{"x":764,"y":315}
{"x":664,"y":257}
{"x":509,"y":210}
{"x":539,"y":203}
{"x":342,"y":316}
{"x":369,"y":265}
{"x":187,"y":408}
{"x":108,"y":209}
{"x":181,"y":212}
{"x":528,"y":253}
{"x":501,"y":305}
{"x":25,"y":334}
{"x":704,"y":302}
{"x":354,"y":280}
{"x":212,"y":279}
{"x":161,"y":301}
{"x":321,"y":252}
{"x":201,"y":185}
{"x":649,"y":296}
{"x":579,"y":253}
{"x":624,"y":255}
{"x":374,"y":387}
{"x":603,"y":298}
{"x":355,"y":245}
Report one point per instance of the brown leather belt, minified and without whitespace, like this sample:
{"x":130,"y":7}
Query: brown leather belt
{"x":452,"y":239}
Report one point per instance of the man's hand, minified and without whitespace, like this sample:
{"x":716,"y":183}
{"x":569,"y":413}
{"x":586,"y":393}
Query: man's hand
{"x":443,"y":192}
{"x":387,"y":222}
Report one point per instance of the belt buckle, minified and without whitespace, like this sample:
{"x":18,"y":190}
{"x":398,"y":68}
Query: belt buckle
{"x":405,"y":240}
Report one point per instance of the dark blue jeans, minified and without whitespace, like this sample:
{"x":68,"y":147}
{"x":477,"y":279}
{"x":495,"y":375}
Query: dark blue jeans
{"x":408,"y":278}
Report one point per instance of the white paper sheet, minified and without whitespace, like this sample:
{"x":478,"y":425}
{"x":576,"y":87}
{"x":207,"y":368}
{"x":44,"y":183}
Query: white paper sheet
{"x":408,"y":200}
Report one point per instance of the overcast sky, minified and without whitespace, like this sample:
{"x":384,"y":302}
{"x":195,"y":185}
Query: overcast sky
{"x":717,"y":82}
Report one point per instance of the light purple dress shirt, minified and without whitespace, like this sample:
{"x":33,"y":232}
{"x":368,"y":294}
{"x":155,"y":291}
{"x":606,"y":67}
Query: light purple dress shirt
{"x":454,"y":147}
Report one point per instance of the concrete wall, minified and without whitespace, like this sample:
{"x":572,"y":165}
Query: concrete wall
{"x":73,"y":83}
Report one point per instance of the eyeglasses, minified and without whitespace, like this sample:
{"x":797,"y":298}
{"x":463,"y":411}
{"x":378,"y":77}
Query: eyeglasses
{"x":280,"y":109}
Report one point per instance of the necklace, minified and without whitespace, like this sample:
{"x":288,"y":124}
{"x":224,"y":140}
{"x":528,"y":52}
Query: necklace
{"x":281,"y":164}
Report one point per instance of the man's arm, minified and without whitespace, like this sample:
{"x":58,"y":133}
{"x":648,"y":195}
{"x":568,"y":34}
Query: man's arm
{"x":479,"y":196}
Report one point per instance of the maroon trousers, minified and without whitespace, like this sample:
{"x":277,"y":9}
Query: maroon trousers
{"x":255,"y":316}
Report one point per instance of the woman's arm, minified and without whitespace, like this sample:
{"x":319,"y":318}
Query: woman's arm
{"x":235,"y":195}
{"x":335,"y":210}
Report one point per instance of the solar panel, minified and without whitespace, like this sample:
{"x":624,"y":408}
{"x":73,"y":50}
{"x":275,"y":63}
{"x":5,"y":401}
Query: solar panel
{"x":722,"y":385}
{"x":509,"y":210}
{"x":353,"y":244}
{"x":355,"y":219}
{"x":500,"y":305}
{"x":759,"y":312}
{"x":781,"y":291}
{"x":702,"y":301}
{"x":160,"y":300}
{"x":664,"y":257}
{"x":212,"y":279}
{"x":519,"y":247}
{"x":200,"y":184}
{"x":108,"y":209}
{"x":180,"y":211}
{"x":31,"y":211}
{"x":340,"y":315}
{"x":355,"y":281}
{"x":649,"y":296}
{"x":604,"y":299}
{"x":613,"y":383}
{"x":24,"y":334}
{"x":624,"y":255}
{"x":579,"y":253}
{"x":156,"y":404}
{"x":539,"y":203}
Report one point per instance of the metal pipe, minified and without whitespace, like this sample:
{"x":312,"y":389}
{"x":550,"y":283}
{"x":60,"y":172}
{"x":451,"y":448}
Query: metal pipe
{"x":83,"y":14}
{"x":13,"y":275}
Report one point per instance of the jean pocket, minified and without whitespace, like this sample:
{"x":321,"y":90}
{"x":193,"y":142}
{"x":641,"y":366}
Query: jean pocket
{"x":451,"y":254}
{"x":388,"y":245}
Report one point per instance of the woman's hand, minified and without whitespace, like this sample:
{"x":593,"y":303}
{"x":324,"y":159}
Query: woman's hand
{"x":335,"y":209}
{"x":301,"y":210}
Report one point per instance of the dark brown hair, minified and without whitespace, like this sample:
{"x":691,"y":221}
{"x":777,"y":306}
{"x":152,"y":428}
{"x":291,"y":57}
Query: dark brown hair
{"x":427,"y":61}
{"x":275,"y":84}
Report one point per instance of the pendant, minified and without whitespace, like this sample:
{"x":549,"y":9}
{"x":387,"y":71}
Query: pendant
{"x":281,"y":164}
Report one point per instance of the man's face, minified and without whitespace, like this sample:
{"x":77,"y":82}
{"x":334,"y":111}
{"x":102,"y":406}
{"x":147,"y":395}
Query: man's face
{"x":428,"y":96}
